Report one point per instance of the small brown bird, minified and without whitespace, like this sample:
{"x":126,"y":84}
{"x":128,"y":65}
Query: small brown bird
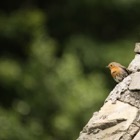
{"x":118,"y":71}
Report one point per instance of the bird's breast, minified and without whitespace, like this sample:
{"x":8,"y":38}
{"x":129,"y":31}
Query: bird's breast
{"x":115,"y":71}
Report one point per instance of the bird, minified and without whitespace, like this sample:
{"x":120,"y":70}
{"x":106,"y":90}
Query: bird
{"x":118,"y":71}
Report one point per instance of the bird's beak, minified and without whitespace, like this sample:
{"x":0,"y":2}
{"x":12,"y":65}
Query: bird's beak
{"x":107,"y":66}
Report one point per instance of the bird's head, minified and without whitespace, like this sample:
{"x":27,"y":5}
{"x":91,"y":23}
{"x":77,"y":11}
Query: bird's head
{"x":112,"y":65}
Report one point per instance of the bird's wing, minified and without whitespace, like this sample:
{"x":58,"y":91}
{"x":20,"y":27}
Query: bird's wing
{"x":128,"y":71}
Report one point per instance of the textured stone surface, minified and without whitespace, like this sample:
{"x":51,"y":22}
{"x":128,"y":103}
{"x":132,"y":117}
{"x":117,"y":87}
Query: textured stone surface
{"x":126,"y":136}
{"x":131,"y":97}
{"x":133,"y":129}
{"x":135,"y":82}
{"x":137,"y":137}
{"x":120,"y":88}
{"x":134,"y":66}
{"x":119,"y":118}
{"x":112,"y":118}
{"x":137,"y":48}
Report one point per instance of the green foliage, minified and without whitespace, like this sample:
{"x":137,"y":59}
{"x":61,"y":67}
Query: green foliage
{"x":52,"y":64}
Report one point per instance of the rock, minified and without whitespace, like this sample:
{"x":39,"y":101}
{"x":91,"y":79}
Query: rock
{"x":135,"y":82}
{"x":112,"y":119}
{"x":134,"y":66}
{"x":119,"y":118}
{"x":137,"y":48}
{"x":120,"y":88}
{"x":137,"y":137}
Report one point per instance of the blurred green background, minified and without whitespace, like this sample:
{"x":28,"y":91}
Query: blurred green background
{"x":52,"y":63}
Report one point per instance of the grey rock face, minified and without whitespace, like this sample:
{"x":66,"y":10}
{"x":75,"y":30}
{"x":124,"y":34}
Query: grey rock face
{"x":119,"y":118}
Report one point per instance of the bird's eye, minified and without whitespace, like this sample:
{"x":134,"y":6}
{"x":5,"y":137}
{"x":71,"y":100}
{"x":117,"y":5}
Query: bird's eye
{"x":111,"y":65}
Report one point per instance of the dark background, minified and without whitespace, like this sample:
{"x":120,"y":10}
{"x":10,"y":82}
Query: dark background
{"x":52,"y":63}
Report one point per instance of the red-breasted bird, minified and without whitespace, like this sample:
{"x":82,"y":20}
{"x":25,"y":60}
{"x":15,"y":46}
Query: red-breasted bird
{"x":118,"y":71}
